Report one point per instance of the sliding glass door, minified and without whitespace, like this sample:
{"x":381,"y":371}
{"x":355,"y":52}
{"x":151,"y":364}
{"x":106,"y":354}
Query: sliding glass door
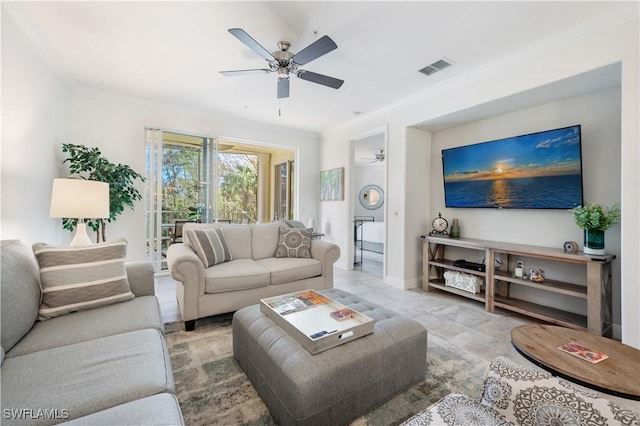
{"x":283,"y":190}
{"x":198,"y":179}
{"x":180,"y":171}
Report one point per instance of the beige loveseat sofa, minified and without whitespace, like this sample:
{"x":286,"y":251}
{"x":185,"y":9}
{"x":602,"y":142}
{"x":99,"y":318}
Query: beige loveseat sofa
{"x":106,"y":365}
{"x":253,"y":274}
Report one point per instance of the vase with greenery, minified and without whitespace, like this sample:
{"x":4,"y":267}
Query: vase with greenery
{"x":594,"y":219}
{"x":89,"y":163}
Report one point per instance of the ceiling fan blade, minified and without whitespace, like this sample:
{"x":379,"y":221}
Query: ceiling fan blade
{"x":320,"y":79}
{"x":244,"y":72}
{"x":241,"y":35}
{"x":320,"y":47}
{"x":283,"y":88}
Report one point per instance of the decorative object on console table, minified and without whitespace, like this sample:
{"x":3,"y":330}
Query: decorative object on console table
{"x":595,"y":219}
{"x":466,"y":282}
{"x":593,"y":241}
{"x":439,"y":225}
{"x":518,"y":272}
{"x":570,"y":247}
{"x":455,"y":229}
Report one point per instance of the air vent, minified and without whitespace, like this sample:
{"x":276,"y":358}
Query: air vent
{"x":435,"y":67}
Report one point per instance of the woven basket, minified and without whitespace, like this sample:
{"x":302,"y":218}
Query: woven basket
{"x":462,"y":281}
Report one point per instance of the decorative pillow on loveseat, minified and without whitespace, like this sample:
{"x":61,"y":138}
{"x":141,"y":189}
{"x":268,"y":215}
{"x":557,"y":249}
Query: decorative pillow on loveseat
{"x":210,"y":245}
{"x":294,"y":242}
{"x":81,"y":278}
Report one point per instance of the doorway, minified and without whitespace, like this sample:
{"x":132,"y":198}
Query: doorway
{"x":368,"y":188}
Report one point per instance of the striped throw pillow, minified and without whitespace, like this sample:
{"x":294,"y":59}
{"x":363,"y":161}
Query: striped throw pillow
{"x":209,"y":245}
{"x":81,"y":278}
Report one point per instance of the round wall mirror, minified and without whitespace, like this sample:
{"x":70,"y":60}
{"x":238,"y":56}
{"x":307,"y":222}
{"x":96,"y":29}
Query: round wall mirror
{"x":371,"y":197}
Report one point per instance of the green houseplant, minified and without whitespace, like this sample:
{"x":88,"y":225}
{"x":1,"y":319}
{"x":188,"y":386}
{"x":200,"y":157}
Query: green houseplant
{"x":89,"y":163}
{"x":594,"y":219}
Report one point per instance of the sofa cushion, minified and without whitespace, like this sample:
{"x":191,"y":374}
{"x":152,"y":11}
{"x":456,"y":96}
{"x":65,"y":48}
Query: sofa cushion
{"x":87,"y":377}
{"x":137,"y":314}
{"x":286,"y":270}
{"x":209,"y":245}
{"x":264,"y":240}
{"x":239,"y":274}
{"x":161,"y":409}
{"x":294,"y":242}
{"x":81,"y":278}
{"x":20,"y":280}
{"x":238,"y":237}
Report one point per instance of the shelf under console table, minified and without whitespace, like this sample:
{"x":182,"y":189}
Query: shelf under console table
{"x":498,"y":279}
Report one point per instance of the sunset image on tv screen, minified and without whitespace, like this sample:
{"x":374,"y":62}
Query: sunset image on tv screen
{"x":538,"y":170}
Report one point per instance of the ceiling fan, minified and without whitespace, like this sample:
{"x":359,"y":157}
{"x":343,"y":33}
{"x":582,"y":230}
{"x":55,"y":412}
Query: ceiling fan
{"x":286,"y":63}
{"x":377,"y":157}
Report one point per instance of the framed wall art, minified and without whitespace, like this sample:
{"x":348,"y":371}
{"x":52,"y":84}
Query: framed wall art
{"x":332,"y":184}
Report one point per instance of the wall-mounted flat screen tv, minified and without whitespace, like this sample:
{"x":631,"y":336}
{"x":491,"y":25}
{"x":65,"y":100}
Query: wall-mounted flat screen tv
{"x":540,"y":170}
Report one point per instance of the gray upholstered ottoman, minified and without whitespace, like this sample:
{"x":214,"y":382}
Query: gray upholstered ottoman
{"x":339,"y":384}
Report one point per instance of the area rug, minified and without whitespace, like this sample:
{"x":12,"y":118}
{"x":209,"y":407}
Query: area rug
{"x":212,"y":388}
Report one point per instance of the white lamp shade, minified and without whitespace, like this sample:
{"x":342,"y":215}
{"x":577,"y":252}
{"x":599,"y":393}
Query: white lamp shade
{"x":79,"y":199}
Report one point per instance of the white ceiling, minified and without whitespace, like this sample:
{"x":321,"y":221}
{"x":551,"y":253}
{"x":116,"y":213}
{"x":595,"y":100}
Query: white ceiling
{"x":171,"y":52}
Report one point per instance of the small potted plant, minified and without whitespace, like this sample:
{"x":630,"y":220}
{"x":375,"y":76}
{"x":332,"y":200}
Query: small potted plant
{"x":595,"y":219}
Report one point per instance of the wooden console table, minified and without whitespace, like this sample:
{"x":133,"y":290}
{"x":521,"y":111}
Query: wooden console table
{"x":618,"y":375}
{"x":595,"y":292}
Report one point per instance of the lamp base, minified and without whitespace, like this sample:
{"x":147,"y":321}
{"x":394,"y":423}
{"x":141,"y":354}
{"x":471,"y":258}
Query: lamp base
{"x":81,"y":237}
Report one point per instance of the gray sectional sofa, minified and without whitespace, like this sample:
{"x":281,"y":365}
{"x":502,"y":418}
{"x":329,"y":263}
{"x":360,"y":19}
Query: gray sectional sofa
{"x":254,"y":272}
{"x":106,"y":365}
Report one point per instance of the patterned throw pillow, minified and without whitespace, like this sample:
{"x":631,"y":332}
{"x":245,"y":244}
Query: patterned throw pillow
{"x":209,"y":245}
{"x":81,"y":278}
{"x":294,"y":242}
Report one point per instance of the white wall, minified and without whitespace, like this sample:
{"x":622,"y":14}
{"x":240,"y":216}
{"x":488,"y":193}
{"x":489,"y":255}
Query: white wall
{"x":545,"y":63}
{"x":35,"y":120}
{"x":116,"y":126}
{"x":39,"y":114}
{"x":599,"y":115}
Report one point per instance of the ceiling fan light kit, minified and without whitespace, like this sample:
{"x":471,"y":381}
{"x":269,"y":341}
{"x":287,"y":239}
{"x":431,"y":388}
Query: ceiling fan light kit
{"x":286,"y":63}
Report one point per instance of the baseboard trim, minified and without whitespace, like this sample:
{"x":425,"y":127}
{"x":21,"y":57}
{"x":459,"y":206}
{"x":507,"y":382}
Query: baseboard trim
{"x":403,"y":284}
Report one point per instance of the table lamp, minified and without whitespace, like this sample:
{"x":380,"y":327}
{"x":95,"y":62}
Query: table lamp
{"x":80,"y":199}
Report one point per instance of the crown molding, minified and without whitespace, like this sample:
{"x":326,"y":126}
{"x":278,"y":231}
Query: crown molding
{"x":19,"y":11}
{"x":221,"y":114}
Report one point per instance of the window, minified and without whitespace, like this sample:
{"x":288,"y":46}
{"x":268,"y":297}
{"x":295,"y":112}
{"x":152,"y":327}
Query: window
{"x":204,"y":179}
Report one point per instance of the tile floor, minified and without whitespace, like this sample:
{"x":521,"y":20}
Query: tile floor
{"x":459,"y":321}
{"x":451,"y":320}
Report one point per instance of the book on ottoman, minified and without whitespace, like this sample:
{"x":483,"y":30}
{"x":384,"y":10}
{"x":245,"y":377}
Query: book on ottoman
{"x":316,"y":321}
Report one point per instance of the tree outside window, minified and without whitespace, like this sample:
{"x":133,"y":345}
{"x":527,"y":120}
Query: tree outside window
{"x":183,"y":185}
